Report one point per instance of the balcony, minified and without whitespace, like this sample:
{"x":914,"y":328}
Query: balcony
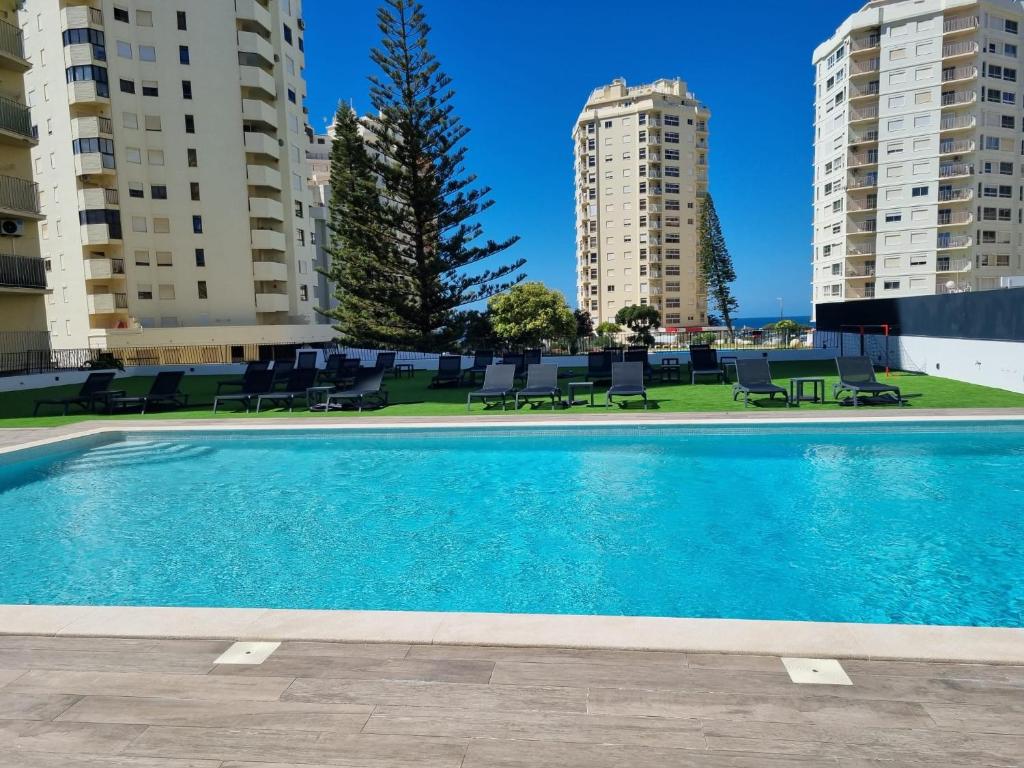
{"x":946,"y":264}
{"x":104,"y":269}
{"x":94,"y":164}
{"x":262,"y":144}
{"x":267,"y":240}
{"x":79,"y":17}
{"x":868,"y":226}
{"x":92,"y":198}
{"x":22,"y":272}
{"x":864,"y":113}
{"x":956,"y":146}
{"x":868,"y":91}
{"x":84,"y":93}
{"x":959,"y":195}
{"x":250,"y":42}
{"x":80,"y":54}
{"x":956,"y":123}
{"x":653,"y":138}
{"x":265,"y":208}
{"x":868,"y":66}
{"x":19,"y":197}
{"x":263,"y":176}
{"x":12,"y":49}
{"x":15,"y":124}
{"x":257,"y":79}
{"x":865,"y":43}
{"x":955,"y":170}
{"x":107,"y":303}
{"x":955,"y":218}
{"x":252,"y":11}
{"x":100,"y":234}
{"x":859,"y":159}
{"x":271,"y":271}
{"x":91,"y":127}
{"x":946,"y":241}
{"x":954,"y":99}
{"x":863,"y":182}
{"x":959,"y":50}
{"x":959,"y":24}
{"x":959,"y":74}
{"x":868,"y":203}
{"x":861,"y":271}
{"x":259,"y":111}
{"x":864,"y":137}
{"x":861,"y":249}
{"x":271,"y":302}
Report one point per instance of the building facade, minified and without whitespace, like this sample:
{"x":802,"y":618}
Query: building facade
{"x":318,"y":154}
{"x":918,"y":176}
{"x":22,"y":271}
{"x":172,"y":171}
{"x":641,"y":157}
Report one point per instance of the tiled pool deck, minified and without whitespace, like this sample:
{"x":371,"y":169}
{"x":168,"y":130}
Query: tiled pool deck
{"x":105,"y":688}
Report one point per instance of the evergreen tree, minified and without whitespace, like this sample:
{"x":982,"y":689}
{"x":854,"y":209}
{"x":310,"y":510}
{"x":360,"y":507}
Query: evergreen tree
{"x":715,"y":263}
{"x":362,"y":268}
{"x":429,"y":199}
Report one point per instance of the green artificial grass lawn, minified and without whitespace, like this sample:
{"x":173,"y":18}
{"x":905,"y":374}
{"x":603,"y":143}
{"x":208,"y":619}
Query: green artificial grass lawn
{"x":412,"y":397}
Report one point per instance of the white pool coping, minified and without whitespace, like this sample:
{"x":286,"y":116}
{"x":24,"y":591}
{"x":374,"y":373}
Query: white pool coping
{"x":995,"y":645}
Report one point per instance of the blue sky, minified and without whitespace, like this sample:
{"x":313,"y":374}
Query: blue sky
{"x":522,"y":71}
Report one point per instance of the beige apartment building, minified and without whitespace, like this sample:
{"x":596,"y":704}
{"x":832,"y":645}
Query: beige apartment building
{"x":172,"y":171}
{"x":641,"y":157}
{"x":22,"y":276}
{"x":917,"y":150}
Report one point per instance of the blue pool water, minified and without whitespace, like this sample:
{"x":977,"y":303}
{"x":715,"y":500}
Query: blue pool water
{"x":908,"y":524}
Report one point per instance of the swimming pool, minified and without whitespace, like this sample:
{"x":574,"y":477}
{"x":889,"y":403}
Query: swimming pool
{"x":910,"y":523}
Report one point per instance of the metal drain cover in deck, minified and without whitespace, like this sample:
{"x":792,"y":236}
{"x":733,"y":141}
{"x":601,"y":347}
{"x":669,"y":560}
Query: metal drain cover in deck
{"x":247,"y":653}
{"x":816,"y":671}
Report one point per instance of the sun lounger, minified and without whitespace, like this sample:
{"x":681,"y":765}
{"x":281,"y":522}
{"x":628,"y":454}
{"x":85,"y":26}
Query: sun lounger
{"x":449,"y":371}
{"x":297,"y":386}
{"x":541,"y":381}
{"x":163,"y":391}
{"x":627,"y":381}
{"x":95,"y":387}
{"x":857,"y":376}
{"x":369,"y":389}
{"x":239,"y":381}
{"x":704,"y":362}
{"x":481,"y":359}
{"x":257,"y":383}
{"x":754,"y":377}
{"x":499,"y":383}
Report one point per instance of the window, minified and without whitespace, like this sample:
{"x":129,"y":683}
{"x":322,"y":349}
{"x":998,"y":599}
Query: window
{"x":127,"y":86}
{"x":120,"y":14}
{"x":671,"y":120}
{"x":161,"y":225}
{"x":200,"y":257}
{"x":124,"y":50}
{"x":287,"y":34}
{"x":201,"y":289}
{"x":183,"y":55}
{"x":919,"y":191}
{"x":133,"y":154}
{"x":165,"y":292}
{"x":186,"y":89}
{"x":158,"y":192}
{"x":145,"y":291}
{"x":139,"y":224}
{"x":300,"y":236}
{"x":135,"y":189}
{"x":291,"y":95}
{"x":303,"y":293}
{"x":193,"y":187}
{"x":892,"y":218}
{"x":103,"y":147}
{"x":891,"y":285}
{"x":182,"y":21}
{"x":153,"y":123}
{"x":130,"y":120}
{"x":155,"y":157}
{"x":89,"y":72}
{"x":671,"y":137}
{"x":150,"y":88}
{"x":164,"y":259}
{"x":93,"y":37}
{"x":147,"y":53}
{"x":144,"y":18}
{"x":193,"y":157}
{"x":190,"y":123}
{"x":142,"y":259}
{"x":298,"y":208}
{"x":197,"y":225}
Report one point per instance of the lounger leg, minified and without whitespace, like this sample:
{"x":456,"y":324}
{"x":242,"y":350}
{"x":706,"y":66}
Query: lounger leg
{"x":645,"y":402}
{"x":899,"y":398}
{"x":469,"y":399}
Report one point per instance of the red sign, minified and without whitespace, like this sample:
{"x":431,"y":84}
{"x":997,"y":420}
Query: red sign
{"x":671,"y":329}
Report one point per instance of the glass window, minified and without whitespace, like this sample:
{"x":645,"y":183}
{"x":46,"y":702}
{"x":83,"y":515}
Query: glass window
{"x":147,"y":53}
{"x":197,"y":224}
{"x":186,"y":89}
{"x":124,"y":50}
{"x":182,"y":20}
{"x":200,"y":257}
{"x":183,"y":55}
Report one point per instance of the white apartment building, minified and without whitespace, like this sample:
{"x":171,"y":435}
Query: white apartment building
{"x":641,"y":156}
{"x":22,"y":271}
{"x":318,"y":155}
{"x":917,"y":150}
{"x":172,"y":171}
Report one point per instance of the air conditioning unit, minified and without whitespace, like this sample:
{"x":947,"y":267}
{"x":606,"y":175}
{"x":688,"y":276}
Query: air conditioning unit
{"x":12,"y":227}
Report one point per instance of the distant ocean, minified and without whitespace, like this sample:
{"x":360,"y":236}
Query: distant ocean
{"x":760,"y":322}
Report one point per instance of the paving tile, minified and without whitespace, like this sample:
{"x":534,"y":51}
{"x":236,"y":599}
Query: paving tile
{"x":548,"y":655}
{"x":534,"y":726}
{"x":634,"y":676}
{"x":364,"y":751}
{"x":438,"y":670}
{"x":27,"y":706}
{"x":40,"y":619}
{"x":270,"y":715}
{"x":125,"y":645}
{"x":734,"y":661}
{"x":71,"y":738}
{"x":345,"y":650}
{"x":217,"y":623}
{"x":206,"y":687}
{"x":979,"y":719}
{"x":507,"y":698}
{"x":935,"y":671}
{"x":7,"y":675}
{"x":539,"y":754}
{"x":107,"y":661}
{"x":23,"y":759}
{"x":792,"y":708}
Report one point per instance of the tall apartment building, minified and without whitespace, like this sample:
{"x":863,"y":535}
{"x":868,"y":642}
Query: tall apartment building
{"x":22,"y":275}
{"x":641,"y":172}
{"x":318,"y":154}
{"x":917,"y":150}
{"x":172,"y":170}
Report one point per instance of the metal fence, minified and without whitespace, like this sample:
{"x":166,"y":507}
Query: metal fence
{"x":22,"y":271}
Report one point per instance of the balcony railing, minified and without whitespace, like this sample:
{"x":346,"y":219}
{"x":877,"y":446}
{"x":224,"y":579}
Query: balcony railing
{"x":15,"y":117}
{"x":871,"y":225}
{"x":863,"y":67}
{"x":956,"y":195}
{"x":955,"y":169}
{"x":22,"y":271}
{"x":859,"y":182}
{"x":10,"y":40}
{"x":866,"y":137}
{"x":959,"y":73}
{"x":959,"y":24}
{"x":862,"y":272}
{"x":865,"y":43}
{"x":18,"y":195}
{"x":956,"y":123}
{"x":953,"y":218}
{"x":865,"y":249}
{"x":956,"y":146}
{"x":865,"y":113}
{"x":868,"y":204}
{"x":963,"y":48}
{"x":946,"y":264}
{"x":945,"y":240}
{"x":864,"y":158}
{"x":871,"y":89}
{"x":958,"y":98}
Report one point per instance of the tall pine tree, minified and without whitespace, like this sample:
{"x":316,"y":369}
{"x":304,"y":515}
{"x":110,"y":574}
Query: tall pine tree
{"x":362,"y":267}
{"x":429,"y":201}
{"x":715,"y":263}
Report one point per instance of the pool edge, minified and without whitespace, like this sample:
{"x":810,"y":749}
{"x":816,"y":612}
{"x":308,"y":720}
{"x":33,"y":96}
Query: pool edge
{"x":990,"y":645}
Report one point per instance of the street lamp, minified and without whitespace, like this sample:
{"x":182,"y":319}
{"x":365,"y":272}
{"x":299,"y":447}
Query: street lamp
{"x":779,"y":299}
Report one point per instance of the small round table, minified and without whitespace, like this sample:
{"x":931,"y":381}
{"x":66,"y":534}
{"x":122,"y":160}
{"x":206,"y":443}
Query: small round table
{"x":584,"y":385}
{"x":315,"y":396}
{"x":798,"y":384}
{"x":406,"y":368}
